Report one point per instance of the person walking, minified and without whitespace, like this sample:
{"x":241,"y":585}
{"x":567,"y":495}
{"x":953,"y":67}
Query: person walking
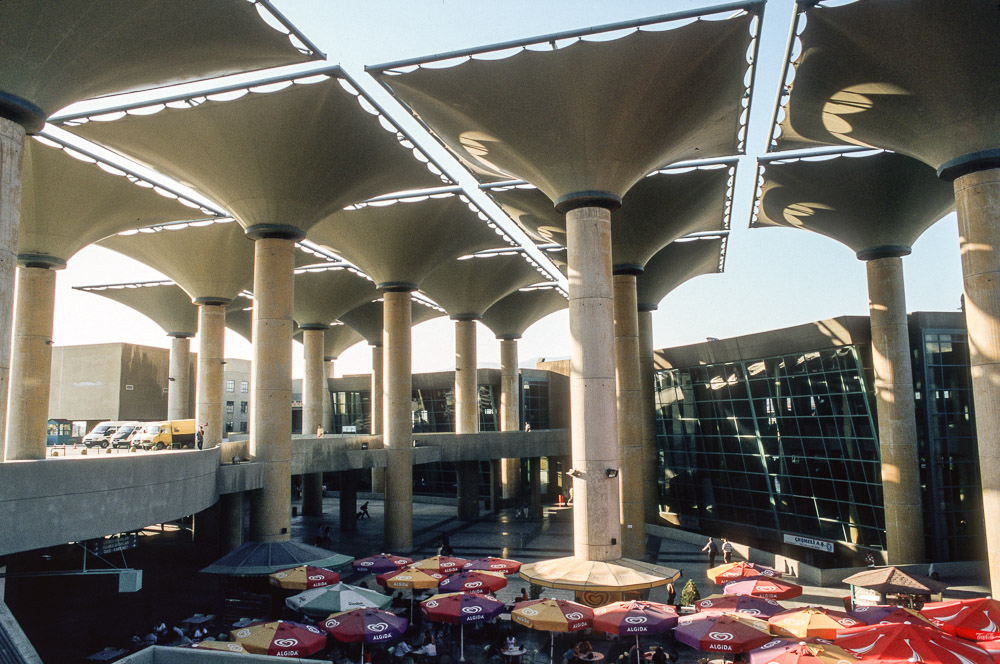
{"x":713,"y":550}
{"x":727,"y":551}
{"x":199,"y":437}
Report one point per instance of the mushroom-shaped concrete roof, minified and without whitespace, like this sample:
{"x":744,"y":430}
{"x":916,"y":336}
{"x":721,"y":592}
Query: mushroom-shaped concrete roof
{"x":401,"y":243}
{"x":275,"y":160}
{"x":917,"y":77}
{"x":55,"y":53}
{"x":468,"y":287}
{"x":590,"y":116}
{"x":659,"y":209}
{"x":239,"y":318}
{"x":164,"y":302}
{"x":67,"y":204}
{"x":873,"y":203}
{"x":213,"y":262}
{"x":676,"y":263}
{"x":339,"y":338}
{"x":323,"y":293}
{"x":367,"y":319}
{"x":515,"y":313}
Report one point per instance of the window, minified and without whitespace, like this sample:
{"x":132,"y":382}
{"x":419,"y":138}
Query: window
{"x":230,"y":406}
{"x":243,"y":406}
{"x":230,"y":386}
{"x":244,"y":386}
{"x":243,"y":427}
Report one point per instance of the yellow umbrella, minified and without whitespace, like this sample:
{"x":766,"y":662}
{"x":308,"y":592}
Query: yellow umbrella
{"x":225,"y":646}
{"x":410,"y":577}
{"x":589,"y":575}
{"x":552,"y":615}
{"x":811,"y":621}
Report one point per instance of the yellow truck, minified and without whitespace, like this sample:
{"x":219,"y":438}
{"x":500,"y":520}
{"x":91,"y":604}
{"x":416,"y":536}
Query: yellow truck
{"x":173,"y":434}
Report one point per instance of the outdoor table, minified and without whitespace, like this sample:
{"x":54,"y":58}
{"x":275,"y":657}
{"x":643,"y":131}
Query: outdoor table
{"x":590,"y":657}
{"x":196,"y":620}
{"x":513,"y":654}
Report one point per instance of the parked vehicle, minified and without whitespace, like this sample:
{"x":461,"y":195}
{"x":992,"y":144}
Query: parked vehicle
{"x":100,"y":436}
{"x":60,"y":432}
{"x":127,"y":430}
{"x":175,"y":434}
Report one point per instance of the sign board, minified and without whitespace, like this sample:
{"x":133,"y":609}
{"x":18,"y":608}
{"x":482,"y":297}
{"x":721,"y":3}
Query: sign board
{"x":350,"y":428}
{"x":809,"y":543}
{"x":866,"y":596}
{"x":116,"y":543}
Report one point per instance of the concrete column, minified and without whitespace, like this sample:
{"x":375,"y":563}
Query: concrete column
{"x":535,"y":488}
{"x":11,"y":163}
{"x":650,"y":457}
{"x":630,"y":477}
{"x":31,"y":363}
{"x":897,"y":424}
{"x":271,"y":386}
{"x":593,"y":402}
{"x":509,"y":412}
{"x":211,"y":367}
{"x":313,"y":388}
{"x":327,"y":405}
{"x":466,"y":414}
{"x":231,"y":521}
{"x":348,"y":500}
{"x":179,"y":384}
{"x":496,"y":483}
{"x":378,"y":474}
{"x":397,"y":389}
{"x":977,"y":200}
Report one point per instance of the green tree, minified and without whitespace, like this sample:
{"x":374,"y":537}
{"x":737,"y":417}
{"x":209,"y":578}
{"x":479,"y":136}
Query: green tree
{"x":690,"y":594}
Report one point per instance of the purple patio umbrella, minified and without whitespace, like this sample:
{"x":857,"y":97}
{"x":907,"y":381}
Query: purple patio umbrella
{"x":461,"y":608}
{"x":635,"y":617}
{"x":380,"y":564}
{"x":366,"y":626}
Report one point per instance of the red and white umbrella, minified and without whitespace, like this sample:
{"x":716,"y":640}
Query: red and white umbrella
{"x":303,"y":577}
{"x":741,"y":570}
{"x":722,"y":632}
{"x":476,"y":582}
{"x":765,"y":587}
{"x":635,"y":617}
{"x":758,"y":607}
{"x":976,"y":619}
{"x":991,"y":647}
{"x":280,"y":638}
{"x":902,"y":643}
{"x":502,"y":565}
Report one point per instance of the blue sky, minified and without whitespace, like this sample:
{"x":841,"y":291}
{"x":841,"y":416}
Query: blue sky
{"x":774,"y":277}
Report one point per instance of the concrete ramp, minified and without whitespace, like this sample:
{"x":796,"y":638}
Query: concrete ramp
{"x":14,"y":645}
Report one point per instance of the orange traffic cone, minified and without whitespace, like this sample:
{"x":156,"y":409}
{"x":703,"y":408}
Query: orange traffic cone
{"x":74,"y":444}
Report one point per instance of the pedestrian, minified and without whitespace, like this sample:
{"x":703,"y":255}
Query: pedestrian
{"x":327,"y":539}
{"x":524,"y":595}
{"x":727,"y":551}
{"x":199,"y":438}
{"x":319,"y":535}
{"x":671,"y":594}
{"x":446,"y":549}
{"x":713,"y":550}
{"x":319,"y":431}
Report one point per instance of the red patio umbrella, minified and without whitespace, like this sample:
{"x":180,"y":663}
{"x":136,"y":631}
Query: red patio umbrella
{"x":722,"y":632}
{"x":805,"y":653}
{"x":765,"y":587}
{"x":493,"y":565}
{"x":382,"y":563}
{"x":902,"y":643}
{"x":770,"y":650}
{"x":440,"y":565}
{"x":991,"y":647}
{"x":635,"y":617}
{"x":280,"y":638}
{"x":476,"y":582}
{"x":740,"y":570}
{"x":757,"y":607}
{"x":976,"y":619}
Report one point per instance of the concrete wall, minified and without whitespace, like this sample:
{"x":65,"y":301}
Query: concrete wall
{"x":146,"y":369}
{"x":86,"y":382}
{"x":168,"y":655}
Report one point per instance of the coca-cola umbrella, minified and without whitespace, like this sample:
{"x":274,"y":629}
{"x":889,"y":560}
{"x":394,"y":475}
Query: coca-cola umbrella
{"x":811,"y":621}
{"x":461,"y":608}
{"x":741,"y":570}
{"x":757,"y":607}
{"x":382,"y":563}
{"x":280,"y":638}
{"x":366,"y":626}
{"x":722,"y":632}
{"x":440,"y":565}
{"x":976,"y":619}
{"x":303,"y":577}
{"x":888,"y":613}
{"x":899,"y":643}
{"x":502,"y":565}
{"x":991,"y":647}
{"x":552,"y":615}
{"x":475,"y":581}
{"x":635,"y":618}
{"x":806,"y":653}
{"x":772,"y":649}
{"x":762,"y":586}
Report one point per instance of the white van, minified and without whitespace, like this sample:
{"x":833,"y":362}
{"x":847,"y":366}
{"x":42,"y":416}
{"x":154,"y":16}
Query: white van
{"x":123,"y":436}
{"x":100,"y":436}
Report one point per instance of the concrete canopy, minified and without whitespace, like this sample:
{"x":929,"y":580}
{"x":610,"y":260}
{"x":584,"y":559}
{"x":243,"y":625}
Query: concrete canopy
{"x":399,"y":244}
{"x":368,"y":318}
{"x":67,"y":204}
{"x":675,"y":264}
{"x":163,"y":302}
{"x":190,"y":255}
{"x":466,"y":288}
{"x":322,"y":295}
{"x":515,"y":313}
{"x":875,"y":203}
{"x":239,"y":319}
{"x":659,"y":209}
{"x":590,"y":118}
{"x":278,"y":161}
{"x":917,"y":77}
{"x":339,"y":338}
{"x":56,"y":53}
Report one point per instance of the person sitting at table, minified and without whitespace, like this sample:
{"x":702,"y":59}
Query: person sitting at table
{"x":524,"y":596}
{"x":511,"y":643}
{"x":635,"y":655}
{"x":659,"y":656}
{"x":570,"y":655}
{"x":428,"y":651}
{"x":583,"y":650}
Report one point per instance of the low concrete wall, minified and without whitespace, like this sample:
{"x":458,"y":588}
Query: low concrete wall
{"x":168,"y":655}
